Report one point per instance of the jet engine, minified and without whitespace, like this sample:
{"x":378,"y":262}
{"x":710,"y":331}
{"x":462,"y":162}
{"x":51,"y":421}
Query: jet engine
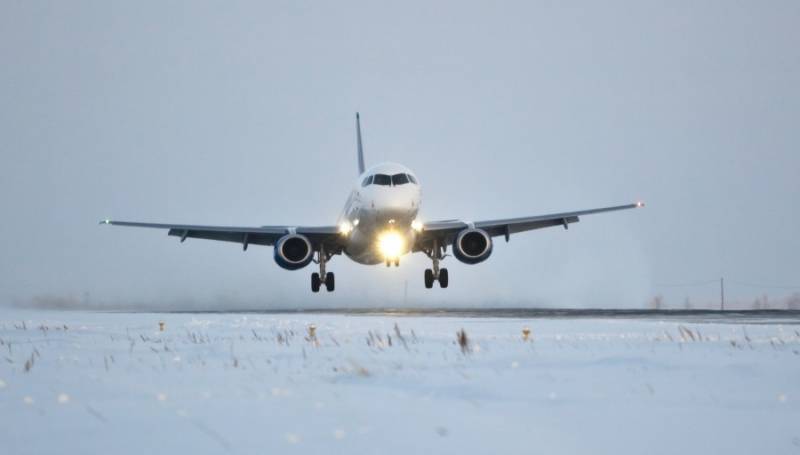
{"x":472,"y":246}
{"x":293,"y":251}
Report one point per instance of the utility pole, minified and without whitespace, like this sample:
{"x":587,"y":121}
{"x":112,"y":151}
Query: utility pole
{"x":722,"y":294}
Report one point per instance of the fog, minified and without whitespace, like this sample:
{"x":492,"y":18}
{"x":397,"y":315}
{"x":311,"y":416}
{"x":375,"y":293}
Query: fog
{"x":240,"y":113}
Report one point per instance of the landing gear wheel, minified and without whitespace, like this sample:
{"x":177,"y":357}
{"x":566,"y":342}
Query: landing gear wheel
{"x":315,"y":282}
{"x":443,"y":278}
{"x":428,"y":278}
{"x":397,"y":262}
{"x":329,"y":281}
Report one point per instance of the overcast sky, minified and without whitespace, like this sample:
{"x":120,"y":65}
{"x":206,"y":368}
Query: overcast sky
{"x":242,"y":113}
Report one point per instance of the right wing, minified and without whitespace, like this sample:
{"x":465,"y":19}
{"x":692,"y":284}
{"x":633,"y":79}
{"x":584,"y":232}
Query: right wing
{"x":445,"y":231}
{"x":264,"y":235}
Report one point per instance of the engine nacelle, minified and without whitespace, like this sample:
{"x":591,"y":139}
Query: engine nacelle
{"x":293,"y":251}
{"x":472,"y":246}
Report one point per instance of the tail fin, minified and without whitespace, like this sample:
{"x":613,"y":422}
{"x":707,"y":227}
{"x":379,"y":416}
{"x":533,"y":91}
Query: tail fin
{"x":360,"y":146}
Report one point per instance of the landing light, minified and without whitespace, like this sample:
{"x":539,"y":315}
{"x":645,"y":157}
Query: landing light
{"x":640,"y":204}
{"x":345,"y":228}
{"x":391,"y":244}
{"x":417,"y":225}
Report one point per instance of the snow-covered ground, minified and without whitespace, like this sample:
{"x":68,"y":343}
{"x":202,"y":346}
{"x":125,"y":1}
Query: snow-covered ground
{"x":74,"y":382}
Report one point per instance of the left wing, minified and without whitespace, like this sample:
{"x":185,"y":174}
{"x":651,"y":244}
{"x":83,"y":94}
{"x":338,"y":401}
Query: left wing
{"x":264,"y":235}
{"x":445,"y":231}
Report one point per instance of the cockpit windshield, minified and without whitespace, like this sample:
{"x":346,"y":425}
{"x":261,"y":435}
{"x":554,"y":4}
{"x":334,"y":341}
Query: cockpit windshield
{"x":367,"y":181}
{"x":389,"y":180}
{"x":399,"y":179}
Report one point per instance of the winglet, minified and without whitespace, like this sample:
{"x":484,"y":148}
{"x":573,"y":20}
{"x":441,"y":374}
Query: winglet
{"x":360,"y":145}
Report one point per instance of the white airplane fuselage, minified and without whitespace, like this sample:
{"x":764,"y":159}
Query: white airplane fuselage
{"x":379,"y":217}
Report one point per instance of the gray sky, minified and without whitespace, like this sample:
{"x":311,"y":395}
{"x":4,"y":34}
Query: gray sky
{"x":242,"y":113}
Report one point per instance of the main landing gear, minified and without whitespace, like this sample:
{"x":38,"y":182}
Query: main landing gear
{"x":318,"y":279}
{"x":436,"y":274}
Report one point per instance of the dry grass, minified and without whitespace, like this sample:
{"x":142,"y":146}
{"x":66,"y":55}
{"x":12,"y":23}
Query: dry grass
{"x":463,"y":341}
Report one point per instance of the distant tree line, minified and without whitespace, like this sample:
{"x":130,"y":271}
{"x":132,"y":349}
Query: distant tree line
{"x":763,"y":302}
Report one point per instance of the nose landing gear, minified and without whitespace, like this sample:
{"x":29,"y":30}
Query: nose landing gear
{"x":318,"y":279}
{"x":436,"y":274}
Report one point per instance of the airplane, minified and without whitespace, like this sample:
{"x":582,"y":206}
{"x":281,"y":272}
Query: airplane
{"x":379,"y":224}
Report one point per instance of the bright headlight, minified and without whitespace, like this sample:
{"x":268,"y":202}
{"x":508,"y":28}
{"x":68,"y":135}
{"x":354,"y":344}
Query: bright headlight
{"x":391,"y":244}
{"x":345,"y":228}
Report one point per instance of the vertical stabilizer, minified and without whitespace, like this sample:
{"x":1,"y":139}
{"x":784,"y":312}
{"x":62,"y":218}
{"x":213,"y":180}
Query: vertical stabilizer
{"x":360,"y":145}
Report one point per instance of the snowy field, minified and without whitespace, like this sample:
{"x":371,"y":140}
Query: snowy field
{"x":75,"y":382}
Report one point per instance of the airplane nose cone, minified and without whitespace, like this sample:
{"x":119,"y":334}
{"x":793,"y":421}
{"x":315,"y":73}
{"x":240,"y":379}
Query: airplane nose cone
{"x":396,"y":199}
{"x":396,"y":202}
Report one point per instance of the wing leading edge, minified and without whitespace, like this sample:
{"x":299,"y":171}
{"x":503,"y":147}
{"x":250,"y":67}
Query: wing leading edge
{"x":264,"y":235}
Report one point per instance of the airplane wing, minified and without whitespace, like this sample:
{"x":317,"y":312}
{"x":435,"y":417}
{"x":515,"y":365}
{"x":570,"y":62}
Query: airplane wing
{"x":445,"y":231}
{"x":264,"y":235}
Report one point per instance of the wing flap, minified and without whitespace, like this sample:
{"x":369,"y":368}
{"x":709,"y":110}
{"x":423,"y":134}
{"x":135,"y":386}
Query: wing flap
{"x":236,"y":237}
{"x":513,"y":227}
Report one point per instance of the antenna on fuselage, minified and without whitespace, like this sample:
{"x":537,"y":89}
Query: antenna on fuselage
{"x":360,"y":145}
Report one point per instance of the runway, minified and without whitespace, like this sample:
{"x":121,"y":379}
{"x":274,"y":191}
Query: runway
{"x":694,"y":316}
